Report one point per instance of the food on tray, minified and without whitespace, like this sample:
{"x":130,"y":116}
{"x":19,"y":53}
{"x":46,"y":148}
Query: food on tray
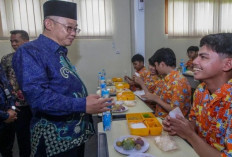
{"x":118,"y":108}
{"x":146,"y":115}
{"x":117,"y":79}
{"x":130,"y":103}
{"x":138,"y":125}
{"x":134,"y":118}
{"x":131,"y":143}
{"x":112,"y":90}
{"x":109,"y":82}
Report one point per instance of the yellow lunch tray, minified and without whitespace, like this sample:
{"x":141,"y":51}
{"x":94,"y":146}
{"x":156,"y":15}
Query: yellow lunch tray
{"x":153,"y":126}
{"x":121,"y":85}
{"x":127,"y":95}
{"x":117,"y":79}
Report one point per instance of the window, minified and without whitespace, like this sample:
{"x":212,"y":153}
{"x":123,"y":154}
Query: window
{"x":198,"y":17}
{"x":94,"y":17}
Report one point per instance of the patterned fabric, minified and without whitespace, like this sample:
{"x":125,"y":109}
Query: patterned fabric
{"x":189,"y":64}
{"x":52,"y":87}
{"x":143,"y":74}
{"x":175,"y":91}
{"x":213,"y":116}
{"x":150,"y":80}
{"x":5,"y":102}
{"x":7,"y":67}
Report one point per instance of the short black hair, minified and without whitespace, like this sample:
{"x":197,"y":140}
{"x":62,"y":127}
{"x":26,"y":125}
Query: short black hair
{"x":165,"y":55}
{"x":137,"y":57}
{"x":221,"y":43}
{"x":150,"y":61}
{"x":24,"y":34}
{"x":193,"y":48}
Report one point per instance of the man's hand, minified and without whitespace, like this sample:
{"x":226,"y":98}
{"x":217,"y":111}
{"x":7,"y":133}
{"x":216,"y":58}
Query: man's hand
{"x":150,"y":96}
{"x":96,"y":104}
{"x":167,"y":125}
{"x":129,"y":80}
{"x":182,"y":127}
{"x":138,"y":80}
{"x":12,"y":116}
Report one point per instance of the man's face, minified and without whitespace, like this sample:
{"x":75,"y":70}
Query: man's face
{"x":64,"y":30}
{"x":16,"y":41}
{"x":192,"y":54}
{"x":159,"y":68}
{"x":152,"y":69}
{"x":138,"y":65}
{"x":208,"y":65}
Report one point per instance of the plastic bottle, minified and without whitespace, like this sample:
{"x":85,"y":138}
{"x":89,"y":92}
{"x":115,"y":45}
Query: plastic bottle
{"x":99,"y":79}
{"x":104,"y":73}
{"x":182,"y":66}
{"x":107,"y":115}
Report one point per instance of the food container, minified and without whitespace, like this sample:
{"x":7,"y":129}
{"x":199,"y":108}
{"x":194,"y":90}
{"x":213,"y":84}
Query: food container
{"x":117,"y":79}
{"x":134,"y":117}
{"x":122,"y":85}
{"x":136,"y":130}
{"x":127,"y":95}
{"x":153,"y":126}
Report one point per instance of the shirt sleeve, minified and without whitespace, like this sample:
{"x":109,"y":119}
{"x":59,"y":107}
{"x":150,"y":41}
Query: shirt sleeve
{"x":34,"y":82}
{"x":228,"y":151}
{"x":3,"y":115}
{"x":181,"y":96}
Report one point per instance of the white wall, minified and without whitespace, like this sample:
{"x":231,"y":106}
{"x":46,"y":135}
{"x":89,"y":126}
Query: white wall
{"x":155,"y":32}
{"x":91,"y":56}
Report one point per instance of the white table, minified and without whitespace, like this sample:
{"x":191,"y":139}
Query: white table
{"x":120,"y":128}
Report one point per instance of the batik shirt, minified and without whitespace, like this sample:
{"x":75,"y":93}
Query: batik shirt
{"x":149,"y":82}
{"x":213,"y":116}
{"x":5,"y":103}
{"x":143,"y":74}
{"x":52,"y":87}
{"x":189,"y":64}
{"x":175,"y":91}
{"x":7,"y":67}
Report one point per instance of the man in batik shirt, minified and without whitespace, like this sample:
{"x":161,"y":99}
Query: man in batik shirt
{"x":192,"y":53}
{"x":175,"y":90}
{"x":138,"y":64}
{"x":149,"y":83}
{"x":209,"y":128}
{"x":7,"y":116}
{"x":22,"y":124}
{"x":61,"y":107}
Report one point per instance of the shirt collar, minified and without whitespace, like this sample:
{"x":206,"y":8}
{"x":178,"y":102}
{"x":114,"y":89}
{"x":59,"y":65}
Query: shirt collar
{"x":52,"y":46}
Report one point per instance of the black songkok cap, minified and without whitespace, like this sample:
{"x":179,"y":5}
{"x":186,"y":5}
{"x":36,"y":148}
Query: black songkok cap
{"x":60,"y":8}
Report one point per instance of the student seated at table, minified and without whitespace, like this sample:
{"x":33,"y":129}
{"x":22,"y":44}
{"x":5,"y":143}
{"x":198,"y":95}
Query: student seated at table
{"x":209,"y":128}
{"x":148,"y":84}
{"x":192,"y":53}
{"x":138,"y":64}
{"x":175,"y":91}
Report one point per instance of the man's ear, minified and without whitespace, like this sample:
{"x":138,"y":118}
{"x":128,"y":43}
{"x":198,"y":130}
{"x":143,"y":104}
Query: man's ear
{"x":48,"y":24}
{"x":227,"y":64}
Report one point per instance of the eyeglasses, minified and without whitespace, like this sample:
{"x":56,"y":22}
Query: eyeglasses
{"x":69,"y":29}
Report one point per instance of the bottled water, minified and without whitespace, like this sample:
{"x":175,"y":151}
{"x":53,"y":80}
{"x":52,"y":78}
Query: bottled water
{"x":104,"y":73}
{"x":99,"y":79}
{"x":107,"y":115}
{"x":182,"y":66}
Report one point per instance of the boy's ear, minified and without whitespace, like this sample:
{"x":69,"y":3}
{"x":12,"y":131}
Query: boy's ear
{"x":227,"y":64}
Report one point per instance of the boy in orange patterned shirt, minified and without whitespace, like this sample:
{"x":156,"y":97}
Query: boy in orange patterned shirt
{"x":138,"y":64}
{"x":175,"y":90}
{"x":148,"y":84}
{"x":209,"y":128}
{"x":192,"y":53}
